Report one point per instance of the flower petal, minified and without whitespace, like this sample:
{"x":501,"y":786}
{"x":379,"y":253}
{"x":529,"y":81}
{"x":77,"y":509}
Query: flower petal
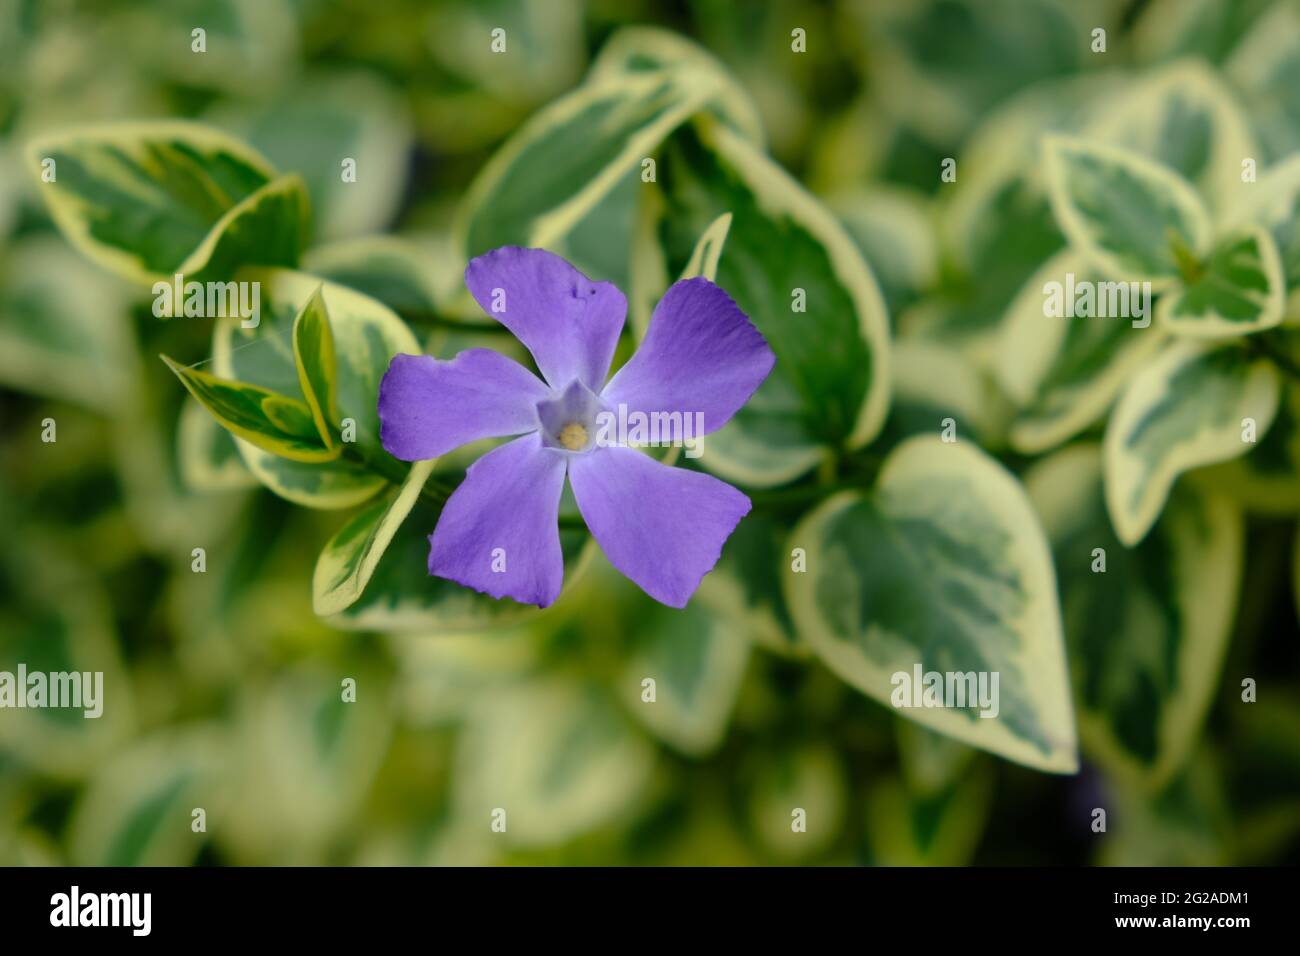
{"x":662,"y":527}
{"x":570,"y":323}
{"x":700,"y":354}
{"x":499,"y":531}
{"x":427,"y":407}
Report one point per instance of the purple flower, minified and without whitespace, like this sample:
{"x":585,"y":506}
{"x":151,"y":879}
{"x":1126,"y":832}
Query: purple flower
{"x":663,"y":527}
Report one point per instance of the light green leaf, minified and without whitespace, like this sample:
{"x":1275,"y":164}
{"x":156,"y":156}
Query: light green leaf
{"x":403,"y":596}
{"x":1063,"y":373}
{"x":565,"y":159}
{"x":1185,"y":824}
{"x":272,"y":422}
{"x":269,"y":228}
{"x":1267,"y":481}
{"x":1184,"y":118}
{"x":441,"y":680}
{"x":556,"y":756}
{"x":314,"y":128}
{"x":206,"y":453}
{"x":345,"y":566}
{"x":1131,"y":217}
{"x":958,"y":59}
{"x":930,"y":763}
{"x":393,"y":270}
{"x":782,"y":780}
{"x":63,"y":327}
{"x":933,"y":382}
{"x":696,"y":659}
{"x":1207,"y":29}
{"x":251,"y":45}
{"x":1241,"y":290}
{"x":745,"y":585}
{"x":1263,"y":67}
{"x":310,"y":757}
{"x":140,"y":198}
{"x":895,"y":231}
{"x":56,"y":619}
{"x":940,"y":829}
{"x":1274,"y":203}
{"x":1146,"y":629}
{"x":639,"y":49}
{"x":314,"y":358}
{"x":942,"y":567}
{"x":137,"y":809}
{"x":794,"y":271}
{"x":1186,"y":409}
{"x":545,"y":46}
{"x":995,"y":223}
{"x":366,"y":337}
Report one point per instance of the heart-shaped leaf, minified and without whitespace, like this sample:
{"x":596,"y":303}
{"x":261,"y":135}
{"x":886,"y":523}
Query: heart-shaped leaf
{"x":1195,"y":405}
{"x":942,"y":569}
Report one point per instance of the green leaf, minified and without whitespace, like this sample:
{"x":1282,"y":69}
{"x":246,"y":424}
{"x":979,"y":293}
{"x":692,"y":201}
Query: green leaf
{"x":641,"y":49}
{"x":1130,"y":216}
{"x":272,"y":422}
{"x":366,"y":337}
{"x":942,"y":567}
{"x":781,"y":779}
{"x":1064,"y":373}
{"x":325,"y":119}
{"x":403,"y":596}
{"x":269,"y":228}
{"x":1267,"y":481}
{"x":829,"y":388}
{"x":140,"y":198}
{"x":995,"y":223}
{"x":1146,"y":629}
{"x":565,"y":159}
{"x":696,"y":659}
{"x":1262,"y":67}
{"x":309,"y":754}
{"x":1183,"y":117}
{"x":960,"y":58}
{"x":56,"y":618}
{"x":745,"y":585}
{"x":1242,"y":290}
{"x":1274,"y":203}
{"x":1186,"y":409}
{"x":137,"y":810}
{"x":1185,"y":824}
{"x":393,"y":270}
{"x":349,"y":559}
{"x":556,"y":756}
{"x":940,"y":829}
{"x":314,"y":358}
{"x":894,"y":229}
{"x":63,"y":328}
{"x":206,"y":453}
{"x":933,"y":382}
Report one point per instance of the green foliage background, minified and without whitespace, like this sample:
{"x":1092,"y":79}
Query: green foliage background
{"x":223,"y":687}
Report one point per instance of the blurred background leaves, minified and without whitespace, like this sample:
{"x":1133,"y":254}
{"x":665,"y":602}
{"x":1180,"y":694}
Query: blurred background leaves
{"x":224,"y":689}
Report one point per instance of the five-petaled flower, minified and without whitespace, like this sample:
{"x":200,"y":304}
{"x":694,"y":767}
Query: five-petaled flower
{"x":661,"y":526}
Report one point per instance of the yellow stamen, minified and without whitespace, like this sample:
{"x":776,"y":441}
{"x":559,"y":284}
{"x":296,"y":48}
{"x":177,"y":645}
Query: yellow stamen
{"x":573,"y":436}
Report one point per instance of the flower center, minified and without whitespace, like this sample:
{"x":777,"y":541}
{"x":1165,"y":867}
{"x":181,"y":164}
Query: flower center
{"x":568,"y":419}
{"x":573,"y":436}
